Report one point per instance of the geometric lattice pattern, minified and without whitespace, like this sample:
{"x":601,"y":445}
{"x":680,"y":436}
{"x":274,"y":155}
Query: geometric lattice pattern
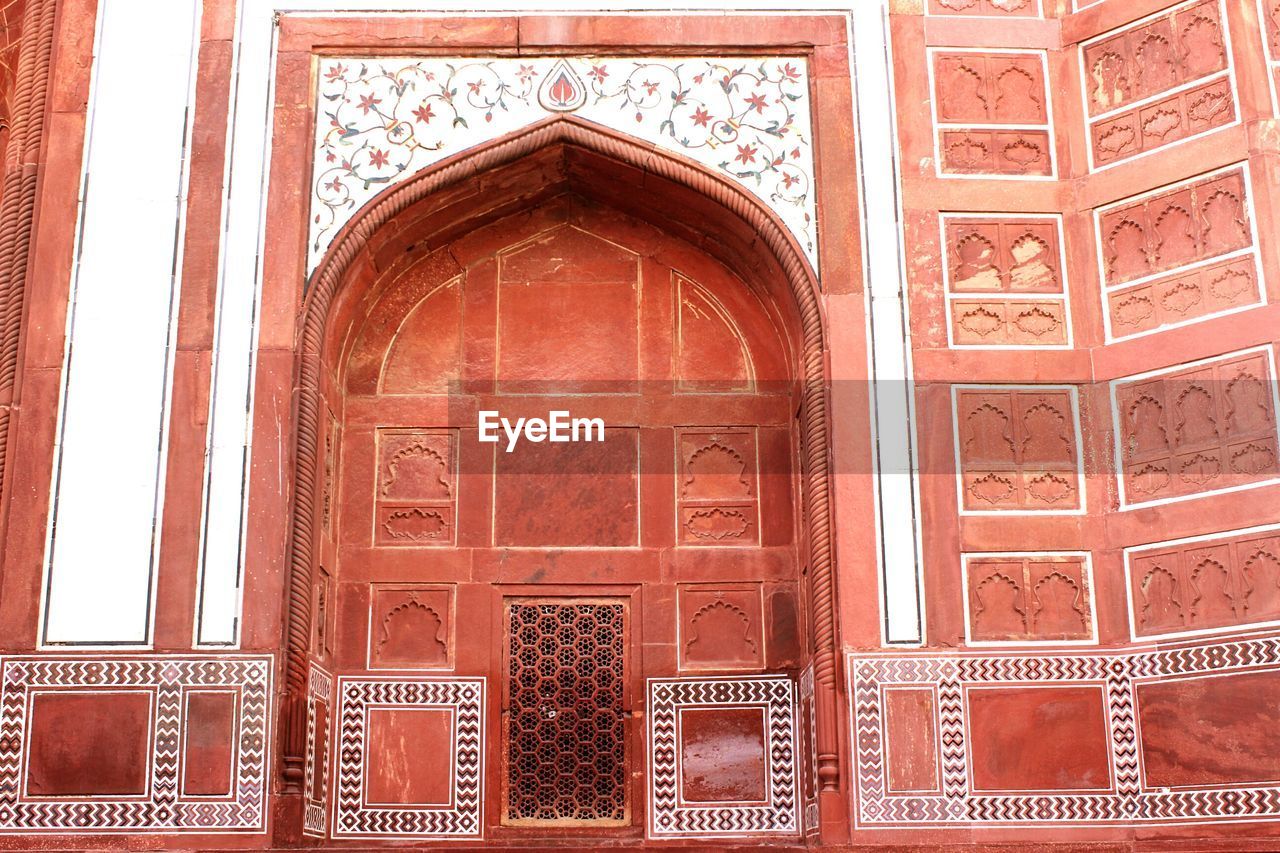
{"x":353,"y":817}
{"x":566,"y":741}
{"x":669,"y":814}
{"x":164,"y":809}
{"x":315,"y":777}
{"x":1126,"y":803}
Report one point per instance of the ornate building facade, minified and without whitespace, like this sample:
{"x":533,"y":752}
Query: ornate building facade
{"x":834,"y":427}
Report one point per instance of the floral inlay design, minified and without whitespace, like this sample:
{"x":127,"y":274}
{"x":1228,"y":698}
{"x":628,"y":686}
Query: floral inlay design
{"x":379,"y":120}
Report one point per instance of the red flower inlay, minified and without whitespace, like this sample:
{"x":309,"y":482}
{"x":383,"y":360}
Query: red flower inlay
{"x":790,"y":72}
{"x":369,"y":102}
{"x":598,"y":73}
{"x":701,"y":117}
{"x":335,"y":72}
{"x":424,"y":113}
{"x":378,"y":158}
{"x":649,"y":87}
{"x":758,"y":102}
{"x":746,"y":153}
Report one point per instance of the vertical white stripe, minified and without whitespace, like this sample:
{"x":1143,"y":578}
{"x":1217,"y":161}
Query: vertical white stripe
{"x":104,"y":532}
{"x":236,"y":331}
{"x":897,"y":507}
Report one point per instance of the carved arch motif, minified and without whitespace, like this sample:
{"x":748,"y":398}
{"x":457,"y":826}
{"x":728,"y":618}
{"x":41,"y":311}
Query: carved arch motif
{"x":720,"y":612}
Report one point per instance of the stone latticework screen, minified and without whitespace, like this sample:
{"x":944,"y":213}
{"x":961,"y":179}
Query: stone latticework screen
{"x":565,"y":741}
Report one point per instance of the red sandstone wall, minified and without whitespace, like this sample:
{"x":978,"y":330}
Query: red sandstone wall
{"x":1096,"y":269}
{"x":1088,"y":195}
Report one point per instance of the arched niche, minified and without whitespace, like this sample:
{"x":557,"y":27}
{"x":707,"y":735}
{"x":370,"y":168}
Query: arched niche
{"x":513,"y":177}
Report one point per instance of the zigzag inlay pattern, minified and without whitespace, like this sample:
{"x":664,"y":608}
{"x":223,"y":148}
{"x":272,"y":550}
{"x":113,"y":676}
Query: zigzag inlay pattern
{"x":164,"y":810}
{"x":669,"y":816}
{"x":352,"y":817}
{"x":1127,"y":803}
{"x":315,"y":779}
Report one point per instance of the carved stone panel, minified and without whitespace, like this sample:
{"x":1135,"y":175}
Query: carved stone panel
{"x":1179,"y":254}
{"x":1028,"y":598}
{"x":416,"y":487}
{"x":1183,"y":298}
{"x":321,"y":612}
{"x":721,"y":627}
{"x":1269,"y":12}
{"x":411,"y":626}
{"x":1130,"y":76}
{"x":717,"y":493}
{"x":1143,"y":129}
{"x":978,"y":151}
{"x":1199,"y":429}
{"x":986,"y":8}
{"x":1174,"y":227}
{"x":1015,"y":255}
{"x":990,"y":260}
{"x":989,"y":88}
{"x":991,"y":112}
{"x":1017,"y":449}
{"x":1205,"y":584}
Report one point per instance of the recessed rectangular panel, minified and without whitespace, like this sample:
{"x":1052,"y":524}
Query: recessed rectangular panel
{"x":87,"y":744}
{"x":1205,"y":583}
{"x":1197,"y":428}
{"x":568,"y":315}
{"x":208,"y":752}
{"x":1210,"y":731}
{"x":410,"y":757}
{"x":1038,"y":738}
{"x":911,"y":739}
{"x":722,"y":755}
{"x":580,"y":494}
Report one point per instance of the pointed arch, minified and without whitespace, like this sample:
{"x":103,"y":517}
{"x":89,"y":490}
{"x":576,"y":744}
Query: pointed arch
{"x":706,"y":209}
